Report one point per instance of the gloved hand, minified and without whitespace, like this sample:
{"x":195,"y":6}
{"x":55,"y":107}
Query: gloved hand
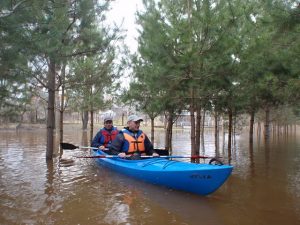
{"x":122,"y":155}
{"x":155,"y":154}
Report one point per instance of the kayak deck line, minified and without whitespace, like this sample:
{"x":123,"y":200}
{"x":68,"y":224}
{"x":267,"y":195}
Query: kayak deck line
{"x":169,"y":162}
{"x":153,"y":161}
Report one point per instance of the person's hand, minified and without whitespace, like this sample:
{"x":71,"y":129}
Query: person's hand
{"x":122,"y":155}
{"x":101,"y":147}
{"x":155,"y":154}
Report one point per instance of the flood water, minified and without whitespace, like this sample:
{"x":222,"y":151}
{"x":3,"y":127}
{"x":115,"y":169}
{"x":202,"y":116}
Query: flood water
{"x":263,"y":189}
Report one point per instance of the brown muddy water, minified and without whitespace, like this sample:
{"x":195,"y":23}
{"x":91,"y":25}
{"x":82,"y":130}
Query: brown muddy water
{"x":263,"y":189}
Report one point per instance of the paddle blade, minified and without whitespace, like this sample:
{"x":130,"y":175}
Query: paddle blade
{"x":97,"y":156}
{"x":68,"y":146}
{"x":161,"y":151}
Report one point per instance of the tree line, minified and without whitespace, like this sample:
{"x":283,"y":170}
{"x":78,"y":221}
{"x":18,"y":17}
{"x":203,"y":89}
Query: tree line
{"x":226,"y":57}
{"x":59,"y":47}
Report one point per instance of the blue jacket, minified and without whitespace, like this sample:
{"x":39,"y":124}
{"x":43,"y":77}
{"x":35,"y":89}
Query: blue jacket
{"x":104,"y":137}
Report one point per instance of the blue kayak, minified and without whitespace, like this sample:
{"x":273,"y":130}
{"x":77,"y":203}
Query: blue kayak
{"x":202,"y":179}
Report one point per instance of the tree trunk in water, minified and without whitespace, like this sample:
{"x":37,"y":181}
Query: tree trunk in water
{"x":202,"y":131}
{"x":216,"y":132}
{"x":193,"y":133}
{"x":168,"y":141}
{"x":166,"y":122}
{"x":193,"y":147}
{"x":85,"y":120}
{"x":252,"y":114}
{"x":84,"y":138}
{"x":62,"y":105}
{"x":198,"y":130}
{"x":50,"y":110}
{"x":229,"y":132}
{"x":152,"y":130}
{"x":92,"y":126}
{"x":267,"y":123}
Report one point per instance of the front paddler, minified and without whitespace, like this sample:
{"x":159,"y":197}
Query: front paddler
{"x":132,"y":141}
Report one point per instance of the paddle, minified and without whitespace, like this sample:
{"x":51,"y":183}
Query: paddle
{"x":148,"y":156}
{"x":68,"y":146}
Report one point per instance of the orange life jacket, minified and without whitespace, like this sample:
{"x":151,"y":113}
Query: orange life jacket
{"x":134,"y":144}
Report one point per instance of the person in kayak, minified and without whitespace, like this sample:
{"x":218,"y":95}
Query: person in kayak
{"x":105,"y":135}
{"x":132,"y":141}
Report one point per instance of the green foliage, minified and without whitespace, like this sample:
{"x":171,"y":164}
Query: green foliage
{"x":36,"y":33}
{"x":14,"y":88}
{"x":237,"y":55}
{"x":267,"y":64}
{"x":91,"y":82}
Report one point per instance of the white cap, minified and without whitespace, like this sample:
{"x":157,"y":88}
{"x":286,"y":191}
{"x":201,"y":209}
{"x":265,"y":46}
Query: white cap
{"x":108,"y":118}
{"x":134,"y":118}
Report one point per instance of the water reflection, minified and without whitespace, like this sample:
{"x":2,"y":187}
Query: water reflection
{"x":118,"y":213}
{"x":264,"y":187}
{"x":251,"y":159}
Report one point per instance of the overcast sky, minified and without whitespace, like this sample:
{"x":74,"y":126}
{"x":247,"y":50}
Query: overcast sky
{"x":125,"y":10}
